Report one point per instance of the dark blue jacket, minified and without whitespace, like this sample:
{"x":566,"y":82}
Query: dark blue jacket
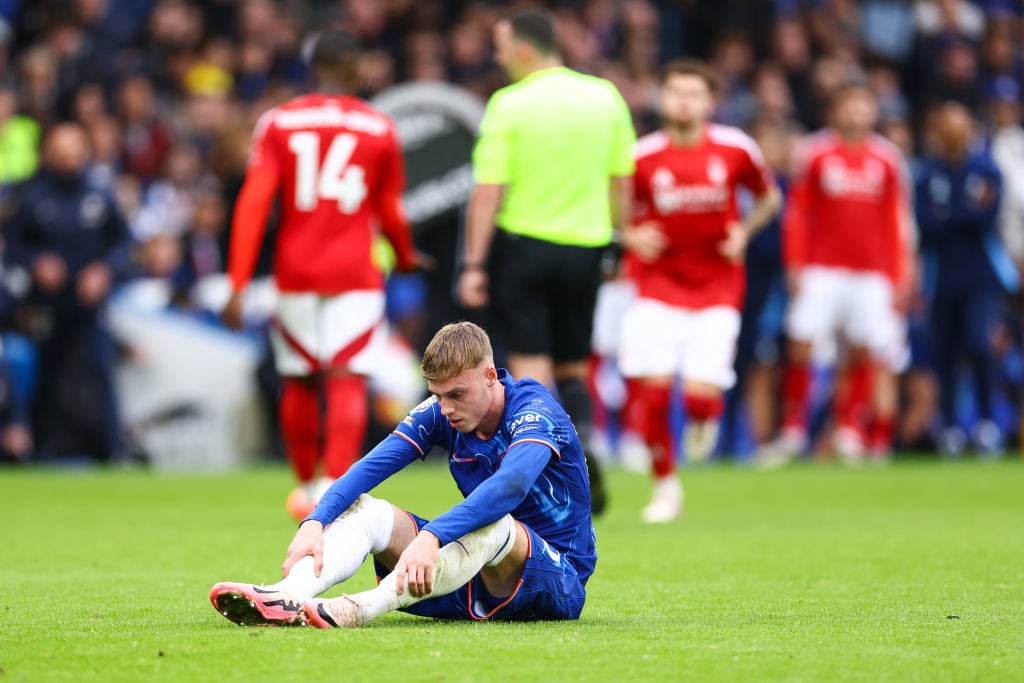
{"x":956,"y":206}
{"x":73,"y":218}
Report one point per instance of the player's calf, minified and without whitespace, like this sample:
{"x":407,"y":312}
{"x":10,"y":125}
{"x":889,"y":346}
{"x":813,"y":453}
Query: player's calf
{"x":703,"y":410}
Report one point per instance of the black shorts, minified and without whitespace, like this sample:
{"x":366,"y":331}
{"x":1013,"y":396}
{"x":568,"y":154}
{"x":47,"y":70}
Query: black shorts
{"x":543,"y":295}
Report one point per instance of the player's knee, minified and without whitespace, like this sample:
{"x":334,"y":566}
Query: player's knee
{"x":500,"y":576}
{"x":403,"y":531}
{"x":798,"y":352}
{"x":500,"y":537}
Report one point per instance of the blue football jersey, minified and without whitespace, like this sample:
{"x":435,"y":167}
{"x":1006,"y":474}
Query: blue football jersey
{"x":557,"y":505}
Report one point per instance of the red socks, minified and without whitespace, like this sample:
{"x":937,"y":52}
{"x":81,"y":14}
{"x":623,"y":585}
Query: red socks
{"x":633,"y":412}
{"x":345,"y":420}
{"x":299,"y":416}
{"x":703,"y":408}
{"x":339,"y":434}
{"x":652,"y":404}
{"x":853,"y":404}
{"x":880,"y":442}
{"x":796,"y":386}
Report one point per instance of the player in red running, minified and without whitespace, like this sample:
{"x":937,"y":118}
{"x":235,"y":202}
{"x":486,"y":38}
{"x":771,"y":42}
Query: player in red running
{"x":845,"y":249}
{"x":337,"y":167}
{"x":688,"y":240}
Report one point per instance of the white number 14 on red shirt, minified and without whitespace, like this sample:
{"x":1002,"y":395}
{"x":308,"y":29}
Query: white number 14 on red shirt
{"x":336,"y":179}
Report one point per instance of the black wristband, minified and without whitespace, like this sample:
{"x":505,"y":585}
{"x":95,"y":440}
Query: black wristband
{"x":471,"y":266}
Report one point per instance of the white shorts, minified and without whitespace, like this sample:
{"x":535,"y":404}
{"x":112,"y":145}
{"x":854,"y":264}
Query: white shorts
{"x":698,"y":344}
{"x":312,"y":333}
{"x":613,"y":299}
{"x":833,"y":301}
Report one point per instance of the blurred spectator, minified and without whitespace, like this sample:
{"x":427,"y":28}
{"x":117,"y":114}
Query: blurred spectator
{"x":957,"y":78}
{"x":773,"y":101}
{"x":253,"y":77}
{"x":88,"y":104}
{"x":202,"y":254}
{"x":19,"y":140}
{"x":1007,"y":145}
{"x":888,"y":29}
{"x":146,"y":139}
{"x":828,"y":76}
{"x":168,"y":203}
{"x":958,"y":194}
{"x":885,"y":83}
{"x":1000,"y":56}
{"x":732,"y":58}
{"x":105,"y":138}
{"x":174,"y":31}
{"x":37,"y":83}
{"x":836,"y":27}
{"x":791,"y":50}
{"x":949,"y":17}
{"x":70,"y":237}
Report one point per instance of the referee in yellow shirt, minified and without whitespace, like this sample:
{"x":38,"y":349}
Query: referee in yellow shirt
{"x":553,"y":169}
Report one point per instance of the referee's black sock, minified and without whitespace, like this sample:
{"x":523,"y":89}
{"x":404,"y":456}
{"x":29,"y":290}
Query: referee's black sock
{"x":576,"y":401}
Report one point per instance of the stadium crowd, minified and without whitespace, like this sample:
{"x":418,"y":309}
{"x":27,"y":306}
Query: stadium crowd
{"x":168,"y":93}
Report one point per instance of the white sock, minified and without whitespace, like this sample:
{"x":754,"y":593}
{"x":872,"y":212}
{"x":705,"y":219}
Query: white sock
{"x":457,"y":563}
{"x":669,"y":485}
{"x":364,"y":528}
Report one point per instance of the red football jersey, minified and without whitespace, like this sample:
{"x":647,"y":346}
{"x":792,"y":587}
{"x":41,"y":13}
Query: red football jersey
{"x":847,"y":206}
{"x":691,"y":194}
{"x":333,"y":158}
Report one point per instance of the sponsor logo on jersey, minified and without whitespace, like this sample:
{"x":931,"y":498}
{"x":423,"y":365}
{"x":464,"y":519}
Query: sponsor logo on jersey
{"x":670,"y":197}
{"x":839,"y":180}
{"x":528,"y":422}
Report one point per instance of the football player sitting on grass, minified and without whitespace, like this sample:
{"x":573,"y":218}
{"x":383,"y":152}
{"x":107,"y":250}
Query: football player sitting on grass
{"x":520,"y":546}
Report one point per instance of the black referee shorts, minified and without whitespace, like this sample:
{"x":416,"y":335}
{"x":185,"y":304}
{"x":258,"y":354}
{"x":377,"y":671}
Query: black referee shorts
{"x":543,"y":295}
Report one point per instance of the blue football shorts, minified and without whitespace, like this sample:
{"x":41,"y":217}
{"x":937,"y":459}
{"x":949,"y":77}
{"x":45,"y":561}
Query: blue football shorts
{"x":550,"y":589}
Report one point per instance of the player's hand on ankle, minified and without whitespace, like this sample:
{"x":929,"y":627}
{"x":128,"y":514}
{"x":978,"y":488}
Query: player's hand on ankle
{"x":416,"y":565}
{"x":309,"y":540}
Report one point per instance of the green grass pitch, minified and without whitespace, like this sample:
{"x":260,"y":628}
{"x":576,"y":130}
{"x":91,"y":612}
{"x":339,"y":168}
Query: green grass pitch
{"x":913,"y":572}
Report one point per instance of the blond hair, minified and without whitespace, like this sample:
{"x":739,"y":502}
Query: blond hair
{"x":456,"y":348}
